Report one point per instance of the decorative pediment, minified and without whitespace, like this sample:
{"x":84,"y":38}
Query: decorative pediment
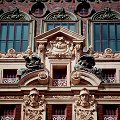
{"x":15,"y":14}
{"x":59,"y":42}
{"x":106,"y":14}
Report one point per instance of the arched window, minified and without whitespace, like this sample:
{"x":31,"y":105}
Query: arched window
{"x":61,"y":18}
{"x":15,"y":31}
{"x":105,"y":30}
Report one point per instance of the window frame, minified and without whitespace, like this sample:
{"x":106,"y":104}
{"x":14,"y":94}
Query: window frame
{"x":31,"y":25}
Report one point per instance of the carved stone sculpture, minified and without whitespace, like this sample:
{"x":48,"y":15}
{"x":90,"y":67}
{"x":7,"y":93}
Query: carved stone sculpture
{"x":33,"y":62}
{"x":60,"y":48}
{"x":87,"y":63}
{"x":85,"y":106}
{"x":34,"y":106}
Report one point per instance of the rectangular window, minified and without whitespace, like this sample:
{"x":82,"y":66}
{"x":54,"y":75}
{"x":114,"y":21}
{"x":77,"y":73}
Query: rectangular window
{"x":106,"y":35}
{"x":7,"y":112}
{"x":9,"y":76}
{"x":109,"y":75}
{"x":68,"y":25}
{"x":110,"y":112}
{"x":59,"y":112}
{"x":14,"y":35}
{"x":59,"y":75}
{"x":59,"y":72}
{"x":9,"y":73}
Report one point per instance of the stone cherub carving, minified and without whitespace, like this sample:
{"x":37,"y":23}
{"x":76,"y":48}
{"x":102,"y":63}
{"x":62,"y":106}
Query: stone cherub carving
{"x":85,"y":106}
{"x":34,"y":105}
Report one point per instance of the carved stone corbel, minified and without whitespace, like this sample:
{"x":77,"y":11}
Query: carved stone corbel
{"x":34,"y":106}
{"x":85,"y":106}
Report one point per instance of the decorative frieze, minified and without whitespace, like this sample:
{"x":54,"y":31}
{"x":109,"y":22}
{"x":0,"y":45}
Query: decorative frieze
{"x":106,"y":54}
{"x":11,"y":97}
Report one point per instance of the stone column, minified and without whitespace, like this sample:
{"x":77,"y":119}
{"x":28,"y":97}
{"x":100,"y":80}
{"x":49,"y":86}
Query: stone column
{"x":69,"y":112}
{"x":49,"y":112}
{"x":100,"y":112}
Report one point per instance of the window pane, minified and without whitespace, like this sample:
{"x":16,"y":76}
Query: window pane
{"x":11,"y":32}
{"x":113,"y":45}
{"x":104,"y":44}
{"x":56,"y":25}
{"x":72,"y":27}
{"x":118,"y":30}
{"x":104,"y":32}
{"x":97,"y":37}
{"x":96,"y":31}
{"x":25,"y":31}
{"x":118,"y":45}
{"x":112,"y":31}
{"x":65,"y":25}
{"x":18,"y":32}
{"x":17,"y":46}
{"x":10,"y":45}
{"x":3,"y":46}
{"x":50,"y":26}
{"x":24,"y":46}
{"x":3,"y":32}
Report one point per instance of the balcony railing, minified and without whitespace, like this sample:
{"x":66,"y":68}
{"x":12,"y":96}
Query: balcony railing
{"x":9,"y":80}
{"x":59,"y":82}
{"x":8,"y":117}
{"x":109,"y":78}
{"x":58,"y":117}
{"x":110,"y":117}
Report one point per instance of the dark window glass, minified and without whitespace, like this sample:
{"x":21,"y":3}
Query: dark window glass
{"x":70,"y":26}
{"x":14,"y":35}
{"x":107,"y":35}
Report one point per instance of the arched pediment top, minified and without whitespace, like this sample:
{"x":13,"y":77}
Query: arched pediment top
{"x":61,"y":15}
{"x":106,"y":14}
{"x":82,"y":75}
{"x":15,"y":14}
{"x":38,"y":77}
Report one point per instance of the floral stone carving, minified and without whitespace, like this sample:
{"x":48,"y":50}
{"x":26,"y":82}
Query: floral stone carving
{"x":60,"y":48}
{"x":34,"y":106}
{"x":85,"y":106}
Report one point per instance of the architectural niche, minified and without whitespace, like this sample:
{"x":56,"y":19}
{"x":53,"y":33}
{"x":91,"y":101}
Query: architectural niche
{"x":84,"y":9}
{"x":34,"y":106}
{"x":106,"y":14}
{"x":85,"y":106}
{"x":39,"y":10}
{"x":15,"y":14}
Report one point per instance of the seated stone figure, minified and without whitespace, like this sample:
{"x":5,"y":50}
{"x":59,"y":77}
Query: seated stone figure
{"x":85,"y":61}
{"x":33,"y":62}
